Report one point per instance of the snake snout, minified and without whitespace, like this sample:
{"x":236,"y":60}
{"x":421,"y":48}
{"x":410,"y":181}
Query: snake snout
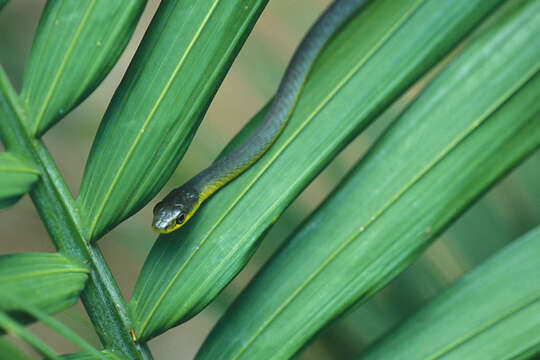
{"x":159,"y":225}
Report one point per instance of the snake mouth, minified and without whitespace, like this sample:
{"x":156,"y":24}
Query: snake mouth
{"x":163,"y":227}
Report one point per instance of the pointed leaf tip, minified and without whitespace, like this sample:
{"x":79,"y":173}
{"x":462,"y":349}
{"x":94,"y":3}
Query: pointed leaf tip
{"x":75,"y":46}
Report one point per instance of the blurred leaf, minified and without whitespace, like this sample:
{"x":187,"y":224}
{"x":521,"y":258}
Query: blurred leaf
{"x":22,"y":304}
{"x":503,"y":214}
{"x":351,"y":83}
{"x":486,"y":304}
{"x":85,"y":356}
{"x":11,"y":352}
{"x":76,"y":44}
{"x":12,"y":327}
{"x":50,"y":282}
{"x":472,"y":124}
{"x":153,"y":115}
{"x":16,"y":178}
{"x":3,"y":3}
{"x":526,"y":190}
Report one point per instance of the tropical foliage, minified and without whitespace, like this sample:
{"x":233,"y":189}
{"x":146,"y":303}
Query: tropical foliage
{"x":471,"y":117}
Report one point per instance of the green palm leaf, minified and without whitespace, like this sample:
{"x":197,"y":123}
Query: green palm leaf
{"x":476,"y":120}
{"x":353,"y":81}
{"x":76,"y":45}
{"x":448,"y":147}
{"x":10,"y":351}
{"x":11,"y":326}
{"x":31,"y":310}
{"x":84,"y":356}
{"x":16,"y":178}
{"x":159,"y":104}
{"x":51,"y":282}
{"x":486,"y":304}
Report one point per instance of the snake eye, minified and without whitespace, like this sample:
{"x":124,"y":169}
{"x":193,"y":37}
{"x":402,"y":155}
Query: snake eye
{"x":180,"y":219}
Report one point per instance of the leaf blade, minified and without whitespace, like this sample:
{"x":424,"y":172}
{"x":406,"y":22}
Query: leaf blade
{"x":50,"y":282}
{"x":86,"y":356}
{"x":74,"y":48}
{"x":50,"y":322}
{"x":13,"y":327}
{"x":469,"y":321}
{"x":154,"y":114}
{"x":433,"y":162}
{"x":11,"y":351}
{"x":190,"y":266}
{"x":16,"y":178}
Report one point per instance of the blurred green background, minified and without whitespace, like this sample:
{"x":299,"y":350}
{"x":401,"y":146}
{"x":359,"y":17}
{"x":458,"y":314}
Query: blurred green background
{"x":508,"y":210}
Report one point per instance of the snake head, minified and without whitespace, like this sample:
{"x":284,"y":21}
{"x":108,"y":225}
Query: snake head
{"x":175,"y":209}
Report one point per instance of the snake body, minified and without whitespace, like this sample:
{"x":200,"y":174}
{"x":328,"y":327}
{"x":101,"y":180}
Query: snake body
{"x":181,"y":203}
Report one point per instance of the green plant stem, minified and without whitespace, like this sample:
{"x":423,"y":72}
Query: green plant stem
{"x":101,"y":296}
